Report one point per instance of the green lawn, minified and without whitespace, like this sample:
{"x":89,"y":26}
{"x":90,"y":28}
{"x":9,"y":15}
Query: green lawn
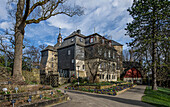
{"x":159,"y":98}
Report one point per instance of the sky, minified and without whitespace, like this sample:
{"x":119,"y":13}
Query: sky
{"x":107,"y":17}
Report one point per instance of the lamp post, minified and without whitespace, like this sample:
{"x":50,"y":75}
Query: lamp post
{"x":78,"y":74}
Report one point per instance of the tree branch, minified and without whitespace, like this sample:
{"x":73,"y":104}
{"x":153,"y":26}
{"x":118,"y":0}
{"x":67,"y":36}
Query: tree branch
{"x":40,"y":3}
{"x":45,"y":18}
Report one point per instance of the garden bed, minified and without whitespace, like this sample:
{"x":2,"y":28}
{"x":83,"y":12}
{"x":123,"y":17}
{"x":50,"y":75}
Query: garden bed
{"x":37,"y":93}
{"x":110,"y":91}
{"x":22,"y":98}
{"x":101,"y":85}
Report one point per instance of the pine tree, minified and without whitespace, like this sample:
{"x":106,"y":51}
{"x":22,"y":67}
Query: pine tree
{"x":150,"y":22}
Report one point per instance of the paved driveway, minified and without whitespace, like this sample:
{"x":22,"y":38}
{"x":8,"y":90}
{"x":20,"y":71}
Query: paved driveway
{"x":130,"y":98}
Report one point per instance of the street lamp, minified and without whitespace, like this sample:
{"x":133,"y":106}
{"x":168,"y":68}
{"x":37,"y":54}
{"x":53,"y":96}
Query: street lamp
{"x":78,"y":74}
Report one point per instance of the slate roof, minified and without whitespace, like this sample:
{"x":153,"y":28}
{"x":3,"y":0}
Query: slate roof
{"x":75,"y":33}
{"x":49,"y":47}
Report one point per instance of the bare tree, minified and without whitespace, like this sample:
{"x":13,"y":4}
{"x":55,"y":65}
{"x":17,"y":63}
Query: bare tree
{"x":34,"y":11}
{"x":99,"y":58}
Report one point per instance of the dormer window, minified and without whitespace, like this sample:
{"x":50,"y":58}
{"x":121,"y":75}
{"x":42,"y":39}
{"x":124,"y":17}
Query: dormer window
{"x":91,"y":40}
{"x":72,"y":39}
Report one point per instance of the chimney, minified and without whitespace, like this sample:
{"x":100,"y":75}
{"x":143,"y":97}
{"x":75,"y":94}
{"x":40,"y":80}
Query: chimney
{"x":79,"y":31}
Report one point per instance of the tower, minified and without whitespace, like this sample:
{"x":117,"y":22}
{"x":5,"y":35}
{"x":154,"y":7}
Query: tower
{"x":59,"y":39}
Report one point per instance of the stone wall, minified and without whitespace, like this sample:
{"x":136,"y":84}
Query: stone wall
{"x":63,"y":80}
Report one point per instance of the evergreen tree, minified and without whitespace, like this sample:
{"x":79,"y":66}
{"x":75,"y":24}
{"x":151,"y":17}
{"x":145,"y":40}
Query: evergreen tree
{"x":148,"y":29}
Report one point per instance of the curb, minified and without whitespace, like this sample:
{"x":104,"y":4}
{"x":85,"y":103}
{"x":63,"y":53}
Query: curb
{"x":119,"y":92}
{"x":47,"y":102}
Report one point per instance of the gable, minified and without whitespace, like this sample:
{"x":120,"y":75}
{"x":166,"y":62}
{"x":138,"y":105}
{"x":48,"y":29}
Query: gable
{"x":132,"y":73}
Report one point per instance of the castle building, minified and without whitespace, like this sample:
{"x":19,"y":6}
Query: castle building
{"x":91,"y":56}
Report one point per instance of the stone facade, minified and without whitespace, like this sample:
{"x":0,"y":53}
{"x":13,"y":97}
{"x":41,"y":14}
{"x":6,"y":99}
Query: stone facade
{"x":70,"y":57}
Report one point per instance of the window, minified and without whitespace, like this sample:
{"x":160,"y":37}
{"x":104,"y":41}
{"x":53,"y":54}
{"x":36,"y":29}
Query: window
{"x":109,"y":76}
{"x":69,"y":52}
{"x":110,"y":44}
{"x":104,"y":54}
{"x":102,"y":76}
{"x":83,"y":67}
{"x":113,"y":67}
{"x":109,"y":53}
{"x":81,"y":39}
{"x":52,"y":65}
{"x":103,"y":41}
{"x":104,"y":65}
{"x":113,"y":55}
{"x":100,"y":51}
{"x":72,"y":39}
{"x":100,"y":66}
{"x":91,"y":40}
{"x":72,"y":61}
{"x":52,"y":59}
{"x":113,"y":76}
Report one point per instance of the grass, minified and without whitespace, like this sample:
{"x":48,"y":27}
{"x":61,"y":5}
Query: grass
{"x":159,"y":98}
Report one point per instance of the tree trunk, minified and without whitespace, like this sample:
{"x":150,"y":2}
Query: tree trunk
{"x":19,"y":36}
{"x":154,"y":85}
{"x":17,"y":68}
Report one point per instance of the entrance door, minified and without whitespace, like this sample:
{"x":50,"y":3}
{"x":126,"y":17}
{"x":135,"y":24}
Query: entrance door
{"x":66,"y":73}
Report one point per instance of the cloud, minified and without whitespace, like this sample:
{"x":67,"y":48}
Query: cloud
{"x":108,"y":17}
{"x":49,"y":43}
{"x":5,"y":25}
{"x":60,"y":21}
